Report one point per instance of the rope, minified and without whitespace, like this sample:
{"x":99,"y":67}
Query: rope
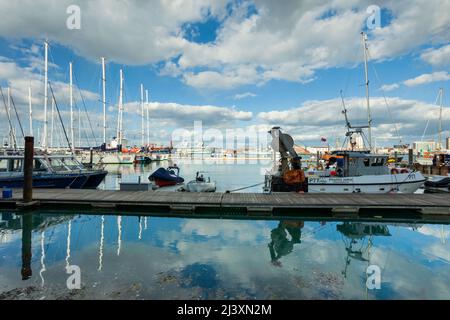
{"x":255,"y":185}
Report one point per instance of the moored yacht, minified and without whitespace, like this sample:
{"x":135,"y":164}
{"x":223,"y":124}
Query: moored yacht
{"x":49,"y":171}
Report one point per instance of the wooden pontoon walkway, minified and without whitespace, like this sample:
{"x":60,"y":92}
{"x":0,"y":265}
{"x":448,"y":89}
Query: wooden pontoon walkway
{"x":235,"y":204}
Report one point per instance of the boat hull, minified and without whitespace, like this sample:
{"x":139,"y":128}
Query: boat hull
{"x":162,"y":178}
{"x":404,"y":183}
{"x":194,"y":186}
{"x":58,"y":181}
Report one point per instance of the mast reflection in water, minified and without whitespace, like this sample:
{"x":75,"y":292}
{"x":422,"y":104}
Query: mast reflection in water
{"x":163,"y":258}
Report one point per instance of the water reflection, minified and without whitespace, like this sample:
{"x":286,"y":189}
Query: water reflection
{"x":129,"y":256}
{"x":280,"y":245}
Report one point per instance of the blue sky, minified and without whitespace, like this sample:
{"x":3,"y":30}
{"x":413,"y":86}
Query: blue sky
{"x":236,"y":64}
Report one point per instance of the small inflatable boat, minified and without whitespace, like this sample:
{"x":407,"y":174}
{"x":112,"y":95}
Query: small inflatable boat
{"x":166,"y":177}
{"x":200,"y":184}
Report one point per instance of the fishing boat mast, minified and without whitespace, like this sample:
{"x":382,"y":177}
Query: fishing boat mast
{"x":44,"y":139}
{"x":369,"y":117}
{"x":104,"y":99}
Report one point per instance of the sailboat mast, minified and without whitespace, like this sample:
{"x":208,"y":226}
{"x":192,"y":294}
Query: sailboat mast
{"x":148,"y":118}
{"x":44,"y":138}
{"x":366,"y":73}
{"x":72,"y":141}
{"x":104,"y":99}
{"x":52,"y":123}
{"x":30,"y":110}
{"x":441,"y":93}
{"x":120,"y":108}
{"x":142,"y":116}
{"x":8,"y":110}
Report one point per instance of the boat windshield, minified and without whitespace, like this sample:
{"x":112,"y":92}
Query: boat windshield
{"x":58,"y":164}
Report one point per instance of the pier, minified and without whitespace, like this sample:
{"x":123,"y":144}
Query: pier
{"x":431,"y":206}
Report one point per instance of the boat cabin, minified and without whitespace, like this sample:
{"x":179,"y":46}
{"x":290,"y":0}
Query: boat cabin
{"x":354,"y":163}
{"x":49,"y":164}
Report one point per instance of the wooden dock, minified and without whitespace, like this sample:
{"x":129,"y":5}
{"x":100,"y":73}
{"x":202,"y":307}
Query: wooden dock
{"x":238,"y":204}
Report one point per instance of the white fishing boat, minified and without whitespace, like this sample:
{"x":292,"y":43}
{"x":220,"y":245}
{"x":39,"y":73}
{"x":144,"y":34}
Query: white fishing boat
{"x":352,"y":170}
{"x":356,"y":172}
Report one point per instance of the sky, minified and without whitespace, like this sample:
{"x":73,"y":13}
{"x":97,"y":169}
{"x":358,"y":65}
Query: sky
{"x":231,"y":64}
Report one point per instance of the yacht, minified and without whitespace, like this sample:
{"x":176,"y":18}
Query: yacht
{"x":49,"y":171}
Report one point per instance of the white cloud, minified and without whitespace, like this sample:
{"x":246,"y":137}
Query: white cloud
{"x":181,"y":114}
{"x":131,"y":32}
{"x":427,"y":78}
{"x":437,"y":57}
{"x":389,"y":87}
{"x":317,"y":118}
{"x":289,"y":42}
{"x":240,"y":96}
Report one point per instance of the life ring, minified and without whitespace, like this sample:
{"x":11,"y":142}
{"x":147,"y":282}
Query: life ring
{"x":394,"y":171}
{"x":404,"y":171}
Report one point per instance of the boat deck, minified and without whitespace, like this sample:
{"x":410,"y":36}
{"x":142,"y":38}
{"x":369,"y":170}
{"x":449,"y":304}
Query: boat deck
{"x":238,"y":204}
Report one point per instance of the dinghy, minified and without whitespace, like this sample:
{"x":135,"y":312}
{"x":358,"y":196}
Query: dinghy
{"x":200,"y":184}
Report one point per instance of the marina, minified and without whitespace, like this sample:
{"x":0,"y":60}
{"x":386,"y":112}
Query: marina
{"x":172,"y":151}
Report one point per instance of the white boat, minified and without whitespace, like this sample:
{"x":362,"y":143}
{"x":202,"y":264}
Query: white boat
{"x":363,"y":172}
{"x":201,"y":184}
{"x":117,"y":158}
{"x":159,"y":156}
{"x":357,"y":170}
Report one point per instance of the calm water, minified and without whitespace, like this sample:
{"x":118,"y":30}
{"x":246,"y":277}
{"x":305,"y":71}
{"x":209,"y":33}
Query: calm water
{"x":228,"y":174}
{"x":155,"y":257}
{"x":134,"y":257}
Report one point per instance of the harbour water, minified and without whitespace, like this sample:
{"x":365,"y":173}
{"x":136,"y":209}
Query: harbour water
{"x":163,"y":257}
{"x":133,"y":257}
{"x":229,"y":174}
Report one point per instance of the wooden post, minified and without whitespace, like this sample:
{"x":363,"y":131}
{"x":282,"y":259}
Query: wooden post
{"x":410,"y":158}
{"x":91,"y":157}
{"x":28,"y":170}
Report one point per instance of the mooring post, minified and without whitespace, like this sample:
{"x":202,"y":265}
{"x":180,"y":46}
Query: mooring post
{"x":410,"y":158}
{"x":28,"y":170}
{"x":91,"y":157}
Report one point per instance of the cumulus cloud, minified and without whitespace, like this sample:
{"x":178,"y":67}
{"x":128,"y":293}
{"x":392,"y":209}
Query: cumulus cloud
{"x":240,"y":96}
{"x":389,"y":87}
{"x":187,"y":114}
{"x":437,"y":57}
{"x":256,"y":41}
{"x":317,"y":118}
{"x":427,"y":78}
{"x":131,"y":32}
